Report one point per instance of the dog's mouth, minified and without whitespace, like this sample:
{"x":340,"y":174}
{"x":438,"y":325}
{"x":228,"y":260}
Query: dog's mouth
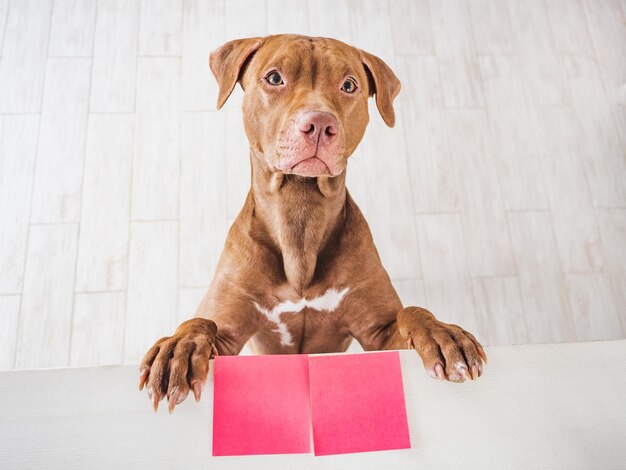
{"x":311,"y":167}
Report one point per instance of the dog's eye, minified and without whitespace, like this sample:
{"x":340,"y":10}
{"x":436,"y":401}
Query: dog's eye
{"x":349,"y":86}
{"x":274,"y":78}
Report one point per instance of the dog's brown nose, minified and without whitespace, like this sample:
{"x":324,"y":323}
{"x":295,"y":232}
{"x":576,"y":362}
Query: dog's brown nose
{"x":318,"y":126}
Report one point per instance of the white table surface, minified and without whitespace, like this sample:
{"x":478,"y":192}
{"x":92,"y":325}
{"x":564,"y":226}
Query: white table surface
{"x":538,"y":406}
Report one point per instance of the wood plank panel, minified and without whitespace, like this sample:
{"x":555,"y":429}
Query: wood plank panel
{"x":613,"y":228}
{"x":160,"y":27}
{"x":46,"y":311}
{"x":602,"y":153}
{"x":412,"y":28}
{"x":548,"y":318}
{"x":491,"y":27}
{"x":335,"y":25}
{"x":188,"y":301}
{"x":431,"y":167}
{"x":283,"y":16}
{"x":203,"y":30}
{"x":499,"y":310}
{"x":4,"y":11}
{"x":573,"y":216}
{"x":23,"y":66}
{"x":157,"y":140}
{"x":484,"y":220}
{"x":608,"y":29}
{"x":540,"y":64}
{"x":569,"y":27}
{"x":61,"y":149}
{"x":370,"y":29}
{"x":390,"y":209}
{"x":18,"y":147}
{"x":446,"y":274}
{"x":151,"y":301}
{"x":458,"y":66}
{"x":98,"y":329}
{"x":9,"y":318}
{"x":593,"y":307}
{"x":72,"y":29}
{"x":115,"y":56}
{"x":512,"y":135}
{"x":103,"y":242}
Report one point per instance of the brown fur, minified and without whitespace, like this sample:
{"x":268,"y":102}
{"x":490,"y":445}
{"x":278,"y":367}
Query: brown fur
{"x":297,"y":236}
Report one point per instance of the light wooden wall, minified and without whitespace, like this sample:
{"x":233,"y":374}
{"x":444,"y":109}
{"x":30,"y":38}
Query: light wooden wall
{"x":498,"y":200}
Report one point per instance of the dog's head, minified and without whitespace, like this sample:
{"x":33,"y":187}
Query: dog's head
{"x":305,"y":101}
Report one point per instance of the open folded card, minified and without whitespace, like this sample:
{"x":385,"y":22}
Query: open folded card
{"x":262,"y":403}
{"x":357,"y":403}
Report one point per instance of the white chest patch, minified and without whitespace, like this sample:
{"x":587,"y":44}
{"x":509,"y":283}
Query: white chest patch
{"x":324,"y":303}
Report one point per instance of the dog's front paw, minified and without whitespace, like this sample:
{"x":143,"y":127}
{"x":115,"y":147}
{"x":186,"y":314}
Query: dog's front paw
{"x":179,"y":363}
{"x":448,"y":351}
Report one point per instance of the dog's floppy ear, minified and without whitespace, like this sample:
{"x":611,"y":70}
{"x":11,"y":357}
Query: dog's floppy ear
{"x":383,"y":83}
{"x":227,"y":62}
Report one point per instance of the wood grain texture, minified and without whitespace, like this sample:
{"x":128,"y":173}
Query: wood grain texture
{"x":569,"y":27}
{"x":4,"y":10}
{"x":188,"y":302}
{"x":98,"y":329}
{"x":584,"y":405}
{"x":411,"y":291}
{"x":619,"y":114}
{"x":61,"y":150}
{"x":72,"y":28}
{"x":613,"y":228}
{"x":203,"y":30}
{"x":412,"y":29}
{"x":336,"y":25}
{"x":497,"y":200}
{"x":588,"y":294}
{"x":546,"y":308}
{"x":446,"y":273}
{"x":156,"y":158}
{"x":499,"y":310}
{"x":573,"y":216}
{"x":160,"y":25}
{"x":114,"y":76}
{"x":245,"y":18}
{"x":535,"y":42}
{"x":390,"y":211}
{"x":370,"y":29}
{"x":491,"y":27}
{"x":281,"y":18}
{"x":151,"y":302}
{"x":514,"y":144}
{"x":44,"y":339}
{"x":431,"y":167}
{"x":9,"y":318}
{"x":608,"y":30}
{"x":484,"y":220}
{"x":23,"y":66}
{"x":458,"y":66}
{"x":103,"y":242}
{"x":602,"y":153}
{"x":18,"y":146}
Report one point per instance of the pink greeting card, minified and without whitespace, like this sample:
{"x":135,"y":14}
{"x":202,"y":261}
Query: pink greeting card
{"x":357,"y":403}
{"x":261,"y":405}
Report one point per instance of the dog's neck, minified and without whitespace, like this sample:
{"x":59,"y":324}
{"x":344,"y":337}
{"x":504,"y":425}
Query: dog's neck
{"x":300,"y":215}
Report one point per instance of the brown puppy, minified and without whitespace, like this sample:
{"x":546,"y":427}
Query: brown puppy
{"x":299,"y":272}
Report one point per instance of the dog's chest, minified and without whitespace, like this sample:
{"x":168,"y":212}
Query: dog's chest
{"x":312,"y":320}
